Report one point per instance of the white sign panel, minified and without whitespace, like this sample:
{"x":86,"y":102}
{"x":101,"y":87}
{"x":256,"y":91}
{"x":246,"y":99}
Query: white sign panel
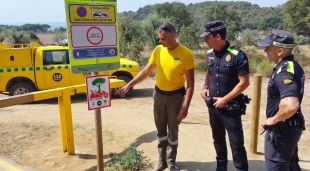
{"x":98,"y":92}
{"x":84,"y":36}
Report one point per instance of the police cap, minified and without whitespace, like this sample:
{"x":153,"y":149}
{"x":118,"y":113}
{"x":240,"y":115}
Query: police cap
{"x":212,"y":26}
{"x":279,"y":38}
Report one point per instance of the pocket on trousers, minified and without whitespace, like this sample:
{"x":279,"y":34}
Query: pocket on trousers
{"x":275,"y":153}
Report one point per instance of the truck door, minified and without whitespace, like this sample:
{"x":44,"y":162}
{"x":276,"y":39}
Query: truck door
{"x":56,"y":70}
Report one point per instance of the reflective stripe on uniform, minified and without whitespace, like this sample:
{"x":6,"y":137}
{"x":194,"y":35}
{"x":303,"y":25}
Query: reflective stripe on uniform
{"x":279,"y":70}
{"x":162,"y":138}
{"x":173,"y":142}
{"x":290,"y":67}
{"x":209,"y":51}
{"x":233,"y":51}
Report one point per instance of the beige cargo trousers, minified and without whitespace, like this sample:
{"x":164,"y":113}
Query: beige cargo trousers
{"x":166,"y":110}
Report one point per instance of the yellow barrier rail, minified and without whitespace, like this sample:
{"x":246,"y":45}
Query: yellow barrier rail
{"x":64,"y":103}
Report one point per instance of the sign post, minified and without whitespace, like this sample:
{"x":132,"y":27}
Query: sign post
{"x":94,"y":46}
{"x":100,"y":162}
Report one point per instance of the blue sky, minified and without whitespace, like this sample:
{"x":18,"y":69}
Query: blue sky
{"x":50,"y":11}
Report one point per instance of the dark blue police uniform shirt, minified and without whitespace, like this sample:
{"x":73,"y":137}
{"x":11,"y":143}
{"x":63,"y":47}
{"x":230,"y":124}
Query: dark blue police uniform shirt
{"x":223,"y":68}
{"x":287,"y":80}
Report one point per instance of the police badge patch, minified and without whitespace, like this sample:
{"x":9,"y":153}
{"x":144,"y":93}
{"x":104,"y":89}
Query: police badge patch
{"x":287,"y":81}
{"x":228,"y":58}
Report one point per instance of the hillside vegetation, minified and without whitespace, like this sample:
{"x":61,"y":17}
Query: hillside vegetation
{"x":246,"y":24}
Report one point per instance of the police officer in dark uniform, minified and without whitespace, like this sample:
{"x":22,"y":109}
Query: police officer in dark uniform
{"x":285,"y":121}
{"x":227,"y":76}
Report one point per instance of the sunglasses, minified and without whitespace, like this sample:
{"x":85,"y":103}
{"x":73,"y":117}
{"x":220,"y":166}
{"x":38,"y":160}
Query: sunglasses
{"x":165,"y":28}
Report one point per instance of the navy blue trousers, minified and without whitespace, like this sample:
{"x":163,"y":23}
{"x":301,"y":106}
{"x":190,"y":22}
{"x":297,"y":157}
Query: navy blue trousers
{"x":281,"y":153}
{"x":222,"y":121}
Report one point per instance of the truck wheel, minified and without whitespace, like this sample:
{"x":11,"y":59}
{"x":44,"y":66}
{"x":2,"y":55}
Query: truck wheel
{"x":129,"y":92}
{"x":20,"y":88}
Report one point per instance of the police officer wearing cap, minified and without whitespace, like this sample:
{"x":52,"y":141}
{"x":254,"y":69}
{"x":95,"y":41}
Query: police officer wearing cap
{"x":227,"y":76}
{"x":285,"y":122}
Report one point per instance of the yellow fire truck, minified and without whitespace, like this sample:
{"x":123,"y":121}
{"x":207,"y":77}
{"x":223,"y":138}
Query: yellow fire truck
{"x":29,"y":67}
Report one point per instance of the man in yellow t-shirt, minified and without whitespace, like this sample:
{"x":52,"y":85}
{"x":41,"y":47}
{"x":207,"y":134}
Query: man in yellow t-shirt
{"x":175,"y":65}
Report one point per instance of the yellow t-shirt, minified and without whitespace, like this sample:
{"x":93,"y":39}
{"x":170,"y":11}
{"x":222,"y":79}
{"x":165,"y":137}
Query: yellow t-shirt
{"x":171,"y":66}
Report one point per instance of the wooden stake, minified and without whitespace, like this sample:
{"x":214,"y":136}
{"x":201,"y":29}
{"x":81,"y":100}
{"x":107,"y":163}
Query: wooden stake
{"x":100,"y":166}
{"x":255,"y":113}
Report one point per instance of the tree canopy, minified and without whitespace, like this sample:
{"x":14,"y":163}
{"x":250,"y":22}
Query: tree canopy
{"x":298,"y":16}
{"x":190,"y":19}
{"x":98,"y":82}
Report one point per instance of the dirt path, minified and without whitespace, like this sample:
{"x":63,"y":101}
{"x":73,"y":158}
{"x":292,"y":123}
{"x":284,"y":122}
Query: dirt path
{"x":29,"y":134}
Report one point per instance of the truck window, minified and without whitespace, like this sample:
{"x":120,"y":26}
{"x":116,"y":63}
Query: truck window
{"x":55,"y":57}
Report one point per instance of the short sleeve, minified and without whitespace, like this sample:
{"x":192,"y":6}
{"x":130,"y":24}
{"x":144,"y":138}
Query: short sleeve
{"x":242,"y":64}
{"x":189,"y":64}
{"x":287,"y":85}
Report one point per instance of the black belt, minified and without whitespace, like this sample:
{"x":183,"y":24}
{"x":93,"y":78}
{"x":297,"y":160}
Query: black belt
{"x":178,"y":91}
{"x":296,"y":120}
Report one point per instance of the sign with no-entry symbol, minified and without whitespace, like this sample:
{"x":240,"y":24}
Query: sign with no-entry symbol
{"x":92,"y":34}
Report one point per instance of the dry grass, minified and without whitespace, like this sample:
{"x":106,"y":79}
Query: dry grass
{"x":305,"y":50}
{"x":47,"y":38}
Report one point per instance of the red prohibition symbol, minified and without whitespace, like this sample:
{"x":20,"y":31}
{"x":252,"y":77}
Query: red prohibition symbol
{"x":94,"y":35}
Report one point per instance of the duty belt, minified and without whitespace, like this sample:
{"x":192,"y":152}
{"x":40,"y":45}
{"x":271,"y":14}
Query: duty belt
{"x":296,"y":120}
{"x":239,"y":104}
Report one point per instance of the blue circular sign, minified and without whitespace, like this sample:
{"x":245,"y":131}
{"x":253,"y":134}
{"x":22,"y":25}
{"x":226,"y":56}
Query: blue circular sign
{"x":81,"y":11}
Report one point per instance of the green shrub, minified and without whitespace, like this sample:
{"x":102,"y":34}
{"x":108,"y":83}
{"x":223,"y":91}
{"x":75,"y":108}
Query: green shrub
{"x":258,"y":63}
{"x":249,"y":37}
{"x":131,"y":159}
{"x":200,"y":55}
{"x":302,"y":40}
{"x":265,"y":68}
{"x":200,"y":66}
{"x":142,"y":61}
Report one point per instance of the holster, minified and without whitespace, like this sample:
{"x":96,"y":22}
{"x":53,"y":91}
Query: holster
{"x":275,"y":134}
{"x":209,"y":101}
{"x":281,"y":129}
{"x":238,"y":104}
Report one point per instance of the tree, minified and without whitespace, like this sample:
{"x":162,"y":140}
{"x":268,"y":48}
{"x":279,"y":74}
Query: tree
{"x":271,"y":22}
{"x":150,"y":25}
{"x":298,"y":16}
{"x":22,"y":37}
{"x":35,"y":28}
{"x":60,"y":29}
{"x":176,"y":12}
{"x":143,"y":13}
{"x":2,"y":37}
{"x":249,"y":37}
{"x":230,"y":17}
{"x":98,"y":82}
{"x":132,"y":39}
{"x":189,"y":36}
